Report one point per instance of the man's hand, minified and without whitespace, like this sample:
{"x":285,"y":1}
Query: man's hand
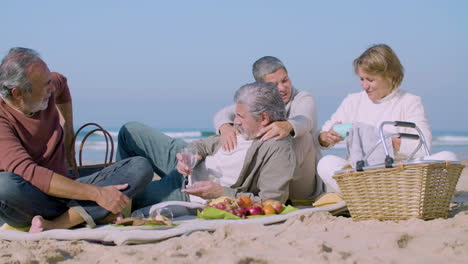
{"x":205,"y":189}
{"x":111,"y":199}
{"x":182,"y":167}
{"x":277,"y":130}
{"x":330,"y":137}
{"x":228,"y":139}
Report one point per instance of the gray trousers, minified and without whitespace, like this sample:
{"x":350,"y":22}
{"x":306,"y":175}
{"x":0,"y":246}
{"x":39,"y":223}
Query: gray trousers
{"x":136,"y":139}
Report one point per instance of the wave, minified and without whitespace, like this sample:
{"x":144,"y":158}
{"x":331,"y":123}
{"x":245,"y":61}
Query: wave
{"x":94,"y":145}
{"x":97,"y":134}
{"x":96,"y":141}
{"x":190,"y":134}
{"x":450,"y":140}
{"x":182,"y":134}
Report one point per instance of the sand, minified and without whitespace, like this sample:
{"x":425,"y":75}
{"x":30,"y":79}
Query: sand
{"x":315,"y":238}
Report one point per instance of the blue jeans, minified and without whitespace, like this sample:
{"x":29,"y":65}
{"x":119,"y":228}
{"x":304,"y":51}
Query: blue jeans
{"x":20,"y":201}
{"x":136,"y":139}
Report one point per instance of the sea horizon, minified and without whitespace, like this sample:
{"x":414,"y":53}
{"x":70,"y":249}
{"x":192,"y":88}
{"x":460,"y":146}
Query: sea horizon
{"x":95,"y":146}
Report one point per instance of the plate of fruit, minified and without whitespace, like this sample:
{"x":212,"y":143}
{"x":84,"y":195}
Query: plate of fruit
{"x":242,"y":207}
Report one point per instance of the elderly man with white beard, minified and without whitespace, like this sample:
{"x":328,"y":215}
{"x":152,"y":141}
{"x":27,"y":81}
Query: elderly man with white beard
{"x":36,"y":188}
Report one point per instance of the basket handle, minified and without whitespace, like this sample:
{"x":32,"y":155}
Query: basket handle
{"x":422,"y":140}
{"x":109,"y":142}
{"x":404,"y":124}
{"x":388,"y":159}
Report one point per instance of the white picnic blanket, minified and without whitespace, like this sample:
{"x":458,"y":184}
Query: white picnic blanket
{"x":138,"y":235}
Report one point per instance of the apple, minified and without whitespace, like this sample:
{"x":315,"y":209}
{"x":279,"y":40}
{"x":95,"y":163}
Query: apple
{"x":277,"y":205}
{"x":254,"y":210}
{"x":244,"y":201}
{"x":240,"y":202}
{"x":268,"y":209}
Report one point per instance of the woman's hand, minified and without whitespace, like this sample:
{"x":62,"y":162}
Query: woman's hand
{"x":329,"y":138}
{"x":228,"y":139}
{"x":277,"y":130}
{"x":396,"y":142}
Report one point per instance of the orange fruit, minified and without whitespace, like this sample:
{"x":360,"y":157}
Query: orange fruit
{"x":268,"y":209}
{"x":246,"y":200}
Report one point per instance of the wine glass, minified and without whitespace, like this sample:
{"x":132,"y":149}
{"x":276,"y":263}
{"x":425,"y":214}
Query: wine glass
{"x":163,"y":211}
{"x":216,"y":176}
{"x":189,"y":157}
{"x":138,"y":214}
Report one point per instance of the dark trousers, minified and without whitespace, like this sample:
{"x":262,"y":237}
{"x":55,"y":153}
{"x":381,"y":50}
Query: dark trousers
{"x":20,"y":201}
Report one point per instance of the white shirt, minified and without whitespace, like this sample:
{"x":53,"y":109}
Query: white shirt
{"x":223,"y":166}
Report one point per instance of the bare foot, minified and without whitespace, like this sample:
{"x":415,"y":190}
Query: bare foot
{"x":37,"y":224}
{"x":119,"y":217}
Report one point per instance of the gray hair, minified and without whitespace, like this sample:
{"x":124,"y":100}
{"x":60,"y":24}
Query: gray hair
{"x":262,"y":97}
{"x":266,"y":65}
{"x":14,"y":70}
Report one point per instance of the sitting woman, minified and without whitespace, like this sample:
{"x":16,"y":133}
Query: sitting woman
{"x":380,"y":73}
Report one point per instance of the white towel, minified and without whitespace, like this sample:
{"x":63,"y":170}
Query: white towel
{"x":132,"y":235}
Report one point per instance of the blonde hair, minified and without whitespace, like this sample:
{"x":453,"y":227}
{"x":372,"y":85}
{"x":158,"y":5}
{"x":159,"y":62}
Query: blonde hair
{"x":381,"y":59}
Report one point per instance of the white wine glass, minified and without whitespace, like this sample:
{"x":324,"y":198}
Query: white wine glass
{"x":138,"y":214}
{"x":163,"y":211}
{"x":189,"y":157}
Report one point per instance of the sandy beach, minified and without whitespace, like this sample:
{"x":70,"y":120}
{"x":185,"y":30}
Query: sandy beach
{"x":316,"y":238}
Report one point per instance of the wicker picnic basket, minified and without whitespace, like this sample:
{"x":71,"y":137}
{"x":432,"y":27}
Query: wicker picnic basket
{"x":399,"y":191}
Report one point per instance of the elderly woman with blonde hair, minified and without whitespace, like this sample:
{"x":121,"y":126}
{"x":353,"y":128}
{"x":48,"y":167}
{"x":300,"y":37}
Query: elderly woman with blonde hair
{"x":380,"y":73}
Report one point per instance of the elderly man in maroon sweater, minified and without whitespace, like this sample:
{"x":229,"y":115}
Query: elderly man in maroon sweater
{"x":35,"y":186}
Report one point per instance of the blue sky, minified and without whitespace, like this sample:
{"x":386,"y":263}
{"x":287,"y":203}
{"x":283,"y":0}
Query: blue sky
{"x":173,"y":64}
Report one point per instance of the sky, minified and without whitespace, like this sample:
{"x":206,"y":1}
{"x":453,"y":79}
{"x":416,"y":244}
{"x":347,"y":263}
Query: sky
{"x":174,"y":64}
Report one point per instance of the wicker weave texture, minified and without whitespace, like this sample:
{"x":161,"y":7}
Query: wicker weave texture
{"x":421,"y":190}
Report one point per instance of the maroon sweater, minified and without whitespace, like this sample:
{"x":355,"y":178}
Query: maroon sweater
{"x":32,"y":147}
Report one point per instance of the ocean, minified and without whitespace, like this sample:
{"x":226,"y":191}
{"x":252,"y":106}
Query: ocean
{"x":94,"y":148}
{"x":95,"y":145}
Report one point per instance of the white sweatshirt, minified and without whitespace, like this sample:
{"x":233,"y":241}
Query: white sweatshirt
{"x":397,"y":106}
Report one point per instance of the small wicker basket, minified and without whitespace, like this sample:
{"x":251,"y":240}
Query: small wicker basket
{"x":399,"y":191}
{"x":419,"y":190}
